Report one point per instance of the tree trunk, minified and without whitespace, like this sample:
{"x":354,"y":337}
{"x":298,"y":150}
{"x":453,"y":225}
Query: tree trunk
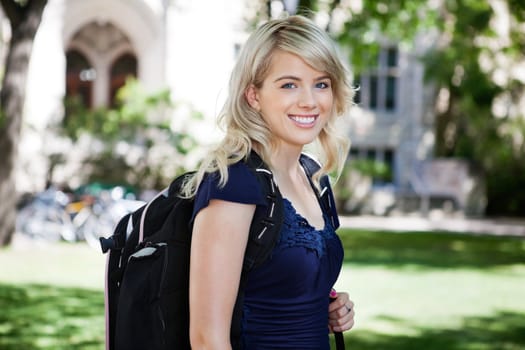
{"x":25,"y":21}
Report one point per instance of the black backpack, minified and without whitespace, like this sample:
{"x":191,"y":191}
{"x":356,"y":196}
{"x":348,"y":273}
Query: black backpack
{"x":147,"y":277}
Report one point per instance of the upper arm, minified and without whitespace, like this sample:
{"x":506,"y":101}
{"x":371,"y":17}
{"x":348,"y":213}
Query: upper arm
{"x":220,"y":235}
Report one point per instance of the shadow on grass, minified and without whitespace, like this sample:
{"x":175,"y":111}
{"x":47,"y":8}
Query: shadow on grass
{"x":505,"y":330}
{"x":47,"y":317}
{"x":35,"y":317}
{"x":431,"y":249}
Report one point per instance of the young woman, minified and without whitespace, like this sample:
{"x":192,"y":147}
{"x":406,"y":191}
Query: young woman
{"x":286,"y":91}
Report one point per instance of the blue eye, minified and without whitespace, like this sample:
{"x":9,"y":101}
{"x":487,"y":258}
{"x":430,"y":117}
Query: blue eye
{"x":288,"y":86}
{"x":322,"y":85}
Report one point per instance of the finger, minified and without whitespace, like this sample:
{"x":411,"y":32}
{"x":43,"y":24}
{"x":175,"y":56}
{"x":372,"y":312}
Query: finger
{"x":342,"y":316}
{"x":339,"y":317}
{"x":340,"y":300}
{"x":340,"y":308}
{"x":343,"y":323}
{"x":345,"y":327}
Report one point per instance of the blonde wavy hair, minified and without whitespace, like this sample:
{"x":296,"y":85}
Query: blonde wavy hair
{"x":245,"y":128}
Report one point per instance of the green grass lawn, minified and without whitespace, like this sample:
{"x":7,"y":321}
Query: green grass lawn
{"x":435,"y":290}
{"x":424,"y":291}
{"x":51,"y":297}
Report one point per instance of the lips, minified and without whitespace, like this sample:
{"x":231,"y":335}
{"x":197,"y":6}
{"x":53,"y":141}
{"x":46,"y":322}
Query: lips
{"x":304,"y":120}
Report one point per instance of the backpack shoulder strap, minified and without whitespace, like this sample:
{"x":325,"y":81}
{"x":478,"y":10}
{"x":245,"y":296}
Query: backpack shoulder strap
{"x":324,"y":193}
{"x":264,"y":232}
{"x":267,"y":220}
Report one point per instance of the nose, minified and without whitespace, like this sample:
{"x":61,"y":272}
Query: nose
{"x":307,"y":98}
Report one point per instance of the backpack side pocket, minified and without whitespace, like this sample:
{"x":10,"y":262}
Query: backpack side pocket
{"x":140,"y":321}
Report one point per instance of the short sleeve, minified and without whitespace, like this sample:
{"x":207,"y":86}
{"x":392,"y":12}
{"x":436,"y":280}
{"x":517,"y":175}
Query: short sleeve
{"x":242,"y":187}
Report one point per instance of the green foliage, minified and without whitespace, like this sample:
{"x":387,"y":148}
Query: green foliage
{"x":477,"y":132}
{"x":136,"y":142}
{"x":504,"y":167}
{"x":398,"y":21}
{"x":130,"y":117}
{"x":359,"y":173}
{"x":379,"y":171}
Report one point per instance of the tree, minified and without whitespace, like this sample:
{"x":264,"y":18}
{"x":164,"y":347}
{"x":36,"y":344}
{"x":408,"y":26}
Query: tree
{"x":472,"y":65}
{"x":24,"y":18}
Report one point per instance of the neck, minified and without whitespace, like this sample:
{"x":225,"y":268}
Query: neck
{"x":285,"y":165}
{"x":285,"y":159}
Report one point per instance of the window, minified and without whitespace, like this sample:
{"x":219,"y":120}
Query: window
{"x":379,"y":86}
{"x":79,"y":78}
{"x":124,"y":67}
{"x":373,"y":87}
{"x":375,"y":162}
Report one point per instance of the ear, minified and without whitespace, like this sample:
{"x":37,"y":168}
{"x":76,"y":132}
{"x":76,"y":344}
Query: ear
{"x":252,"y":97}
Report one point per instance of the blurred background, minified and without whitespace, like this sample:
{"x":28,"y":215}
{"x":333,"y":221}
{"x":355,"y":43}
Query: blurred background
{"x":104,"y":102}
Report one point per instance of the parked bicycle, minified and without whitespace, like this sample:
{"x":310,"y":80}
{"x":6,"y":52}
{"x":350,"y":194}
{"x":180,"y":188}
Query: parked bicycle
{"x":45,"y":217}
{"x":55,"y":215}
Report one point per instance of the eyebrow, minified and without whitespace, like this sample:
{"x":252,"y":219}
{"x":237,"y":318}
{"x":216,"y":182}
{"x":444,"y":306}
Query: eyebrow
{"x":292,"y":77}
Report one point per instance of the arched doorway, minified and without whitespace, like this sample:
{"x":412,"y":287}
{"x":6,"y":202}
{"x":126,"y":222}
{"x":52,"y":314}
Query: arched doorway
{"x":103,"y":58}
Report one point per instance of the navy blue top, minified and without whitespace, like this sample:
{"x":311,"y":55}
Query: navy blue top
{"x":286,"y":298}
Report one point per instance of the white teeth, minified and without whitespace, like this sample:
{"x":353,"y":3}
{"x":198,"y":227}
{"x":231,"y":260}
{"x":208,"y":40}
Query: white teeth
{"x":303,"y":120}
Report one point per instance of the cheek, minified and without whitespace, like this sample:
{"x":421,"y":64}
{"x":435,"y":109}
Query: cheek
{"x":328,"y":110}
{"x":275,"y":106}
{"x":328,"y":102}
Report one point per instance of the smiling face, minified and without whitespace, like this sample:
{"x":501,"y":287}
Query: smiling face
{"x":294,"y":100}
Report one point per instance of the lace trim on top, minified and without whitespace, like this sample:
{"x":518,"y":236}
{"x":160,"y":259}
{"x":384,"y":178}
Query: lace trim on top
{"x":297,"y":232}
